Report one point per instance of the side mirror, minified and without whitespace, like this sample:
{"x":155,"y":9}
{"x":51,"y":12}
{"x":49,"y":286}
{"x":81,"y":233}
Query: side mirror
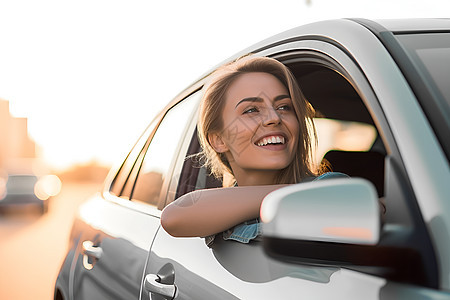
{"x":336,"y":222}
{"x":329,"y":222}
{"x":343,"y":210}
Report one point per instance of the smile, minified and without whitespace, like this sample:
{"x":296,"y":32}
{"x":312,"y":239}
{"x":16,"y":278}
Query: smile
{"x":276,"y":139}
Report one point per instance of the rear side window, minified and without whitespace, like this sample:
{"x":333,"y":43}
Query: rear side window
{"x":124,"y":174}
{"x":158,"y":160}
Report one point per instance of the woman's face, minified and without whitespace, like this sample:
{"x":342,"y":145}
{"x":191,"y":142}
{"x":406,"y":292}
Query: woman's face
{"x":260,"y":128}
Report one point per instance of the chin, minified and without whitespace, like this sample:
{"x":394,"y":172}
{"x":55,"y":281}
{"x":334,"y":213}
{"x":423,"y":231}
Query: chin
{"x":276,"y":165}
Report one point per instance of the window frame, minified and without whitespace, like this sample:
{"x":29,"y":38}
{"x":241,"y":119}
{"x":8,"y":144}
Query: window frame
{"x":139,"y":147}
{"x":171,"y":178}
{"x":134,"y":155}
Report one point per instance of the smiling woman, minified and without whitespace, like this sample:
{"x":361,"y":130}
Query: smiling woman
{"x":255,"y":127}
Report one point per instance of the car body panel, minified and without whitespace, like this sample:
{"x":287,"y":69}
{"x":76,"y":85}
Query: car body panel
{"x":232,"y":270}
{"x":124,"y":235}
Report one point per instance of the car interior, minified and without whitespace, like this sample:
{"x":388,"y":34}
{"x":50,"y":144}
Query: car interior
{"x":333,"y":97}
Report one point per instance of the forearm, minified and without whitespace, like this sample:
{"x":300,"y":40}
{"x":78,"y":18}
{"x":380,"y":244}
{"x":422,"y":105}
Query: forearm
{"x":207,"y":212}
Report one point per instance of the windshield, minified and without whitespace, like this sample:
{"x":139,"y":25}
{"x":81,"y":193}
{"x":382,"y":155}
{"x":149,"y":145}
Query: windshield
{"x":431,"y":53}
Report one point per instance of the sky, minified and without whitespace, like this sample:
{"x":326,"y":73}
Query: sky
{"x":91,"y":75}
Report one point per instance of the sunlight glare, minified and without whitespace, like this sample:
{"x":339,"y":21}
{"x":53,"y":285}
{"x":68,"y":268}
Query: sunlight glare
{"x":47,"y":186}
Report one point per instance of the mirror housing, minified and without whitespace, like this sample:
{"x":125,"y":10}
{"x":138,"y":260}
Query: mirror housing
{"x":340,"y":210}
{"x":337,"y":222}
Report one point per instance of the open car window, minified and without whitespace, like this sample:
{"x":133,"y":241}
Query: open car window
{"x":348,"y":140}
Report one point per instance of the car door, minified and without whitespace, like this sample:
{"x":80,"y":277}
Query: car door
{"x":348,"y":110}
{"x":114,"y":230}
{"x":110,"y":245}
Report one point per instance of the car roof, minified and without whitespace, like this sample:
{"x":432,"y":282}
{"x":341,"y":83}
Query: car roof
{"x":322,"y":27}
{"x":375,"y":26}
{"x":410,"y":25}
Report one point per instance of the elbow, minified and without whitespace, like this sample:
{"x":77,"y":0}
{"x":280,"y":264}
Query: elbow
{"x":170,"y":221}
{"x":182,"y":219}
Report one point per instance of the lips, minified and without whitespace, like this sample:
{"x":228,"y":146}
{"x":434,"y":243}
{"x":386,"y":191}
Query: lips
{"x":271,"y":140}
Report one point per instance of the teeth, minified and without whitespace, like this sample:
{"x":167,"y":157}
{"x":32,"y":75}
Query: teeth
{"x":271,"y":140}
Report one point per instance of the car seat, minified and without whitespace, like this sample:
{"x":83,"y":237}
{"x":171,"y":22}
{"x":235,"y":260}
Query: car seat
{"x":368,"y":165}
{"x":194,"y":174}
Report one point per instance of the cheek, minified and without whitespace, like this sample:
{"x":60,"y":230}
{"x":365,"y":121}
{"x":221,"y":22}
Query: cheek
{"x":293,"y":126}
{"x":237,"y":137}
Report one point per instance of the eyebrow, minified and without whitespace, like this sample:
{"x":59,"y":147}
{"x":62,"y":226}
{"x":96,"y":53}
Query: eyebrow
{"x":259,"y":99}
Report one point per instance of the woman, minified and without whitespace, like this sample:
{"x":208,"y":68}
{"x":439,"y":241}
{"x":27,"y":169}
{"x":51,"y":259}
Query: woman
{"x":254,"y":127}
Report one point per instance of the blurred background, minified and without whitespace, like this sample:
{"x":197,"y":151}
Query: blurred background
{"x":79,"y":82}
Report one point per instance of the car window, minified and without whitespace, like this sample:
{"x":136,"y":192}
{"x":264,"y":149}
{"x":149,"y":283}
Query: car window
{"x":21,"y":184}
{"x":430,"y":54}
{"x":161,"y":152}
{"x":348,"y":140}
{"x":123,"y":175}
{"x":430,"y":51}
{"x":194,"y":174}
{"x":343,"y":136}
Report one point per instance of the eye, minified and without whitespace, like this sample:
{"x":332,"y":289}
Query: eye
{"x":285,"y":107}
{"x":250,"y":110}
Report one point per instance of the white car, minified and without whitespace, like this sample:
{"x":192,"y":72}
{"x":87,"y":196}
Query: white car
{"x":382,"y":92}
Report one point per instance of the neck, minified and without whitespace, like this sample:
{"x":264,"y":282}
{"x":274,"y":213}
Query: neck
{"x":257,"y":177}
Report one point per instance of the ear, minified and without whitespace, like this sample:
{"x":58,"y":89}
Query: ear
{"x":217,"y":143}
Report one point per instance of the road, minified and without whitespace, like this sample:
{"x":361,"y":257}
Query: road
{"x":32,"y":247}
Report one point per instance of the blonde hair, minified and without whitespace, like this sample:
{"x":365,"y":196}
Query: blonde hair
{"x":212,"y":104}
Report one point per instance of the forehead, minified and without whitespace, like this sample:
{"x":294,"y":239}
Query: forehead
{"x":255,"y":85}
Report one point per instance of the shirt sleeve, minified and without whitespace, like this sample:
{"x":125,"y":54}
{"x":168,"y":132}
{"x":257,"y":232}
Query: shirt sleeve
{"x":243,"y":233}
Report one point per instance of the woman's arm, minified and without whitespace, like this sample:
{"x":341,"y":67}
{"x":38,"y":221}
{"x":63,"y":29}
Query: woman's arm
{"x":206,"y":212}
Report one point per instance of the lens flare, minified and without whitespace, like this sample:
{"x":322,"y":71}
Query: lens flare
{"x":47,"y":186}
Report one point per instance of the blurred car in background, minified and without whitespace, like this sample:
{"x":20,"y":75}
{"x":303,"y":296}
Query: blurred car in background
{"x":17,"y":193}
{"x":381,"y":93}
{"x":27,"y":192}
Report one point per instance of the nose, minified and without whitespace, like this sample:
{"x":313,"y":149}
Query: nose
{"x":271,"y":117}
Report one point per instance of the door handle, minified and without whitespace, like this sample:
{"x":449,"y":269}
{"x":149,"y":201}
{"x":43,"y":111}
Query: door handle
{"x":152,"y":284}
{"x":92,"y":251}
{"x":89,"y":252}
